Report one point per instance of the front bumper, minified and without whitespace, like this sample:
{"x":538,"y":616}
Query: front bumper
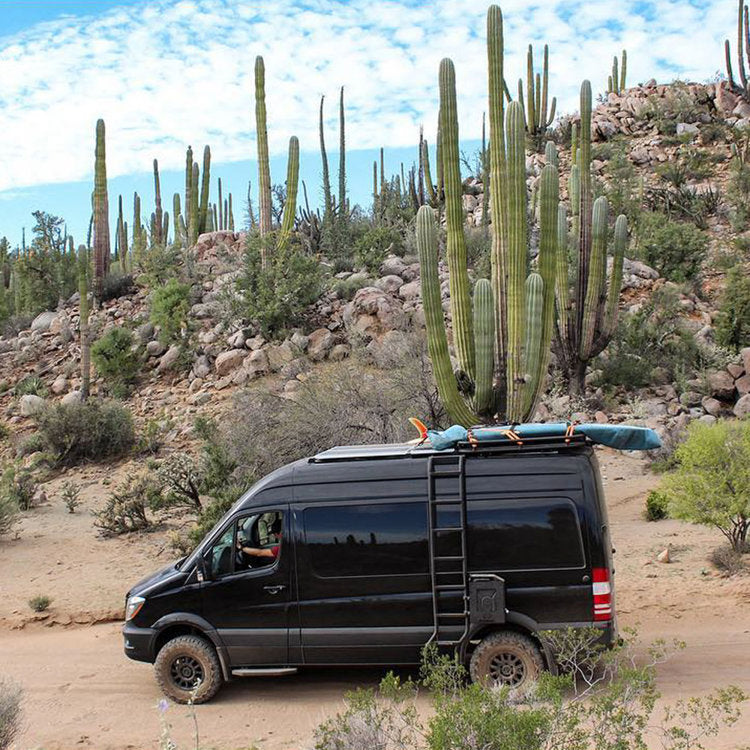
{"x":139,"y":642}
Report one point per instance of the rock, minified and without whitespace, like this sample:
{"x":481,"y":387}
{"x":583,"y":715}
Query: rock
{"x":31,"y":405}
{"x":60,"y":385}
{"x":736,"y":371}
{"x":721,"y":385}
{"x":640,"y":269}
{"x":205,"y":310}
{"x":256,"y":364}
{"x":155,"y":348}
{"x":237,"y":340}
{"x":712,"y":406}
{"x":300,"y":340}
{"x":743,"y":385}
{"x":725,"y":99}
{"x":229,"y":361}
{"x":202,"y":367}
{"x":605,"y":129}
{"x":43,"y":321}
{"x":393,"y":265}
{"x":390,"y":284}
{"x":708,"y":419}
{"x":256,"y":342}
{"x":279,"y":355}
{"x":410,"y":291}
{"x":601,"y":418}
{"x":145,"y":332}
{"x":665,"y":556}
{"x":742,"y":407}
{"x":684,"y":128}
{"x":373,"y":312}
{"x":640,"y":155}
{"x":169,"y":360}
{"x":199,"y":399}
{"x":320,"y":344}
{"x":742,"y":109}
{"x":746,"y":359}
{"x":74,"y":397}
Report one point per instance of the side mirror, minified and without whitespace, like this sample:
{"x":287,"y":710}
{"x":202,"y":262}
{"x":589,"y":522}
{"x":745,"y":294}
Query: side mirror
{"x":203,"y":571}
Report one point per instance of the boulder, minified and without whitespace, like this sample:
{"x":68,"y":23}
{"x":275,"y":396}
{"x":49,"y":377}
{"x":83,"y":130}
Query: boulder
{"x":392,"y":265}
{"x":321,"y":341}
{"x":390,"y":283}
{"x":237,"y":340}
{"x":201,"y":367}
{"x":373,"y":312}
{"x":712,"y":406}
{"x":256,"y":364}
{"x":205,"y":310}
{"x":742,"y":407}
{"x":74,"y":397}
{"x":746,"y":359}
{"x":339,"y":352}
{"x":31,"y":405}
{"x":743,"y":385}
{"x":229,"y":361}
{"x":721,"y":384}
{"x":43,"y":321}
{"x":687,"y":128}
{"x":410,"y":290}
{"x":145,"y":332}
{"x":169,"y":359}
{"x":155,"y":348}
{"x":279,"y":355}
{"x":300,"y":340}
{"x":60,"y":385}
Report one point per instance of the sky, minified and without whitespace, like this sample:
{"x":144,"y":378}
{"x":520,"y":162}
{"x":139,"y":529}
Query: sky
{"x":165,"y":74}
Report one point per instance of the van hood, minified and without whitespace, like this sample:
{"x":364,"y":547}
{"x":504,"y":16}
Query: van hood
{"x":169,"y":574}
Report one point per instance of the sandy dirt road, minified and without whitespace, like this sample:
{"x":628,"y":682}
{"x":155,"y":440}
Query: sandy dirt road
{"x":81,"y":691}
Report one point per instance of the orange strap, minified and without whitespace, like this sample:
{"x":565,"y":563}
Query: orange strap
{"x":513,"y":436}
{"x":569,"y":433}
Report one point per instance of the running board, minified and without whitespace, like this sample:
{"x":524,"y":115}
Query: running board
{"x":264,"y":672}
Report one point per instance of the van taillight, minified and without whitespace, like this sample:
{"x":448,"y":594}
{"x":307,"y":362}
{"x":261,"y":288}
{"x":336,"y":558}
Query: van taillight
{"x":602,"y":590}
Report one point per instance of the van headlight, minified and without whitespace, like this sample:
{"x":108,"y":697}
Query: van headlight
{"x":133,"y":607}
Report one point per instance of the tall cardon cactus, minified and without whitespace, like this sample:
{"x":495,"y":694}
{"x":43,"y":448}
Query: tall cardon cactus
{"x":539,"y":113}
{"x":501,"y":332}
{"x":618,"y":77}
{"x":264,"y":167}
{"x":743,"y":49}
{"x":101,"y":212}
{"x":587,"y":314}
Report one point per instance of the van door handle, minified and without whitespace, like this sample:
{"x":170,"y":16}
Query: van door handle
{"x":274,"y":589}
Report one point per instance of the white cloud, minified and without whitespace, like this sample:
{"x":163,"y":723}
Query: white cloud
{"x":166,"y":74}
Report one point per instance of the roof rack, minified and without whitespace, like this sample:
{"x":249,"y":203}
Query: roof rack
{"x":409,"y":450}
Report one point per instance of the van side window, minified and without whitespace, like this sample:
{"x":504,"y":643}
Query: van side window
{"x":524,"y":534}
{"x":250,"y":542}
{"x":367,"y":540}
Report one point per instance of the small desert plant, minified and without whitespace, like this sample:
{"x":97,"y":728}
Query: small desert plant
{"x":711,"y":484}
{"x":125,"y":509}
{"x":40,"y":603}
{"x":10,"y":712}
{"x":71,"y":495}
{"x":152,"y":436}
{"x":91,"y":430}
{"x":116,"y":361}
{"x":728,"y":561}
{"x":733,"y":323}
{"x":675,"y":249}
{"x":8,"y":513}
{"x":170,"y":305}
{"x":656,"y":506}
{"x":345,"y":289}
{"x":31,"y":385}
{"x":17,"y":486}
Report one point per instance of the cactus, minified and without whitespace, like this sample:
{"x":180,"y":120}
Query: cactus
{"x":205,"y":188}
{"x":618,"y":77}
{"x":538,"y":116}
{"x":230,"y":214}
{"x":158,"y":213}
{"x":743,"y":48}
{"x":431,"y":192}
{"x":101,"y":212}
{"x":194,"y":205}
{"x":176,"y":216}
{"x":188,"y":184}
{"x":502,"y":333}
{"x":122,"y":237}
{"x":222,"y":213}
{"x":292,"y":183}
{"x":342,"y":158}
{"x":139,"y":233}
{"x":587,"y":317}
{"x":83,"y":290}
{"x":264,"y":168}
{"x":327,"y":197}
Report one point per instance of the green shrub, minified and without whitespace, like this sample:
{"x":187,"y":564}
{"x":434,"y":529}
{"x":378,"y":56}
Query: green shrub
{"x":728,"y":561}
{"x":40,"y":603}
{"x":32,"y":444}
{"x":125,"y":509}
{"x":674,"y":248}
{"x":116,"y":284}
{"x":677,"y":105}
{"x":375,"y":244}
{"x":71,"y":495}
{"x":10,"y":712}
{"x":275,"y":297}
{"x":170,"y":305}
{"x":711,"y":484}
{"x":345,"y":289}
{"x":17,"y":485}
{"x":656,"y":506}
{"x":115,"y":360}
{"x":733,"y":323}
{"x":8,"y":513}
{"x":31,"y":385}
{"x":91,"y":430}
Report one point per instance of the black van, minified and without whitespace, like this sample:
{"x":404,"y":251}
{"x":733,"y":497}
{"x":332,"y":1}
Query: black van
{"x":362,"y":555}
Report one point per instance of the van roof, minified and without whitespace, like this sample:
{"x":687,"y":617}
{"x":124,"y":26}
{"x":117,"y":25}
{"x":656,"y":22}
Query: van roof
{"x":412,"y":450}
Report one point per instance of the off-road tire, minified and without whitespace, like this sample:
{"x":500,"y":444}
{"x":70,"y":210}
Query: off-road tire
{"x":187,"y":667}
{"x":506,"y":659}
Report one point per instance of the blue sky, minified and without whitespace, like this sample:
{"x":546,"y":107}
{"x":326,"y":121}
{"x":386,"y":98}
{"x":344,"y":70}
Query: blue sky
{"x":168,"y":73}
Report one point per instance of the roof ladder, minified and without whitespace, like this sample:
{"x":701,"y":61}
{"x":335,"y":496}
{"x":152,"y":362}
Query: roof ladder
{"x":446,"y":483}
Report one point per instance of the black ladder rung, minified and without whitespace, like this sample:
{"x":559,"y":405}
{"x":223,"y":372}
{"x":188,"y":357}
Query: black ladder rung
{"x":447,"y":528}
{"x":451,"y":474}
{"x":445,"y":558}
{"x":456,"y":501}
{"x":453,"y":615}
{"x":450,"y":587}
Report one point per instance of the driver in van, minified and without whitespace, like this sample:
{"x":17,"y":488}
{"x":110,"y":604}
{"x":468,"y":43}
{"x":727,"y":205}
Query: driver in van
{"x":272,"y":552}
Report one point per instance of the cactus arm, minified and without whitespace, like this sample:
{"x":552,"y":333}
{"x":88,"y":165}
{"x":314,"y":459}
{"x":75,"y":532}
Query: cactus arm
{"x":292,"y":184}
{"x":615,"y":76}
{"x":327,"y":197}
{"x":550,"y":154}
{"x":728,"y":60}
{"x":595,"y":278}
{"x":230,"y":214}
{"x":264,"y":167}
{"x":532,"y":338}
{"x":157,"y":202}
{"x":437,"y":340}
{"x":428,"y":174}
{"x":538,"y":103}
{"x":342,"y":156}
{"x":517,"y":258}
{"x":497,"y":170}
{"x":176,"y":216}
{"x":484,"y":341}
{"x":164,"y":228}
{"x":101,"y":212}
{"x":454,"y":216}
{"x":574,"y":144}
{"x":544,"y":123}
{"x":530,"y":92}
{"x":615,"y":280}
{"x":552,"y":111}
{"x":195,"y":207}
{"x":205,"y":188}
{"x":623,"y":71}
{"x":83,"y":291}
{"x":220,"y":206}
{"x":562,"y":288}
{"x":740,"y":47}
{"x":584,"y":213}
{"x":188,"y":185}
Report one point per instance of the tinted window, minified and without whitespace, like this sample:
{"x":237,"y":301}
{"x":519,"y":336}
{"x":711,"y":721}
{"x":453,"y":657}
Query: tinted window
{"x":367,"y":540}
{"x":527,"y":534}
